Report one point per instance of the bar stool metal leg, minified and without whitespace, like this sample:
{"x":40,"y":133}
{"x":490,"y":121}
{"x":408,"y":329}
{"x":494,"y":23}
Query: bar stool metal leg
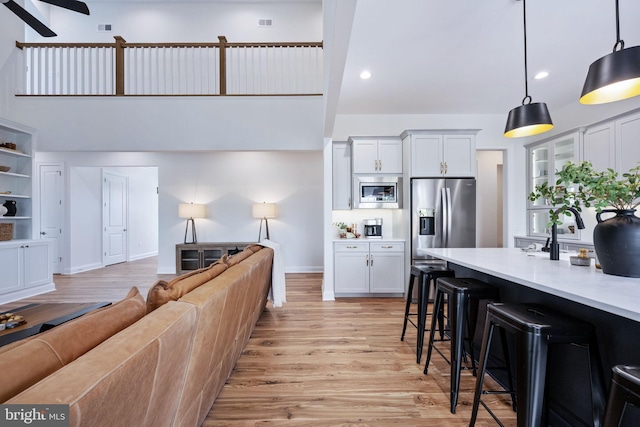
{"x":407,"y":308}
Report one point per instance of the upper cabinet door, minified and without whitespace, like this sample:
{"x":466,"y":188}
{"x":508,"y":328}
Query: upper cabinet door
{"x":443,"y":155}
{"x":459,"y":155}
{"x":628,"y":142}
{"x":390,"y":156}
{"x":373,"y":156}
{"x":341,"y":176}
{"x":365,"y":156}
{"x":598,"y":146}
{"x":426,"y":155}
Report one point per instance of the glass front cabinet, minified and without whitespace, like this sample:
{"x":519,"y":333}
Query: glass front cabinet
{"x":544,"y":160}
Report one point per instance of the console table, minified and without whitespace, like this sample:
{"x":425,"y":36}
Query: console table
{"x":192,"y":256}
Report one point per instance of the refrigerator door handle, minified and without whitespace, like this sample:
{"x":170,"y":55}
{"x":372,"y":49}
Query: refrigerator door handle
{"x":445,"y":217}
{"x":449,"y":215}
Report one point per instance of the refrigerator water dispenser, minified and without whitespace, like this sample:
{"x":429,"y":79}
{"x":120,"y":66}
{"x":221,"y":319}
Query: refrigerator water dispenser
{"x":427,"y":222}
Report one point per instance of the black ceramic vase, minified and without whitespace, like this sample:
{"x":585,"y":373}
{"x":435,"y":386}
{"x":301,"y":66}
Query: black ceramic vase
{"x":11,"y":207}
{"x":617,"y":243}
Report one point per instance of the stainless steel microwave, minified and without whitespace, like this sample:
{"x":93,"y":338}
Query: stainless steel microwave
{"x":377,"y":192}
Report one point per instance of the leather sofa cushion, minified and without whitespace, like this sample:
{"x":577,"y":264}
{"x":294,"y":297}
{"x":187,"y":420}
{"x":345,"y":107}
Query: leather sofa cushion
{"x":28,"y":361}
{"x":241,"y":256}
{"x":162,"y":292}
{"x":132,"y":379}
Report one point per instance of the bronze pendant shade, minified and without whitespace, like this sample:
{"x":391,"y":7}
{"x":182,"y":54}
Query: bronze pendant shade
{"x":529,"y":118}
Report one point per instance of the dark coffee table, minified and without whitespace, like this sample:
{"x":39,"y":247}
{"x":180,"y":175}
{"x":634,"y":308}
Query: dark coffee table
{"x":42,"y":317}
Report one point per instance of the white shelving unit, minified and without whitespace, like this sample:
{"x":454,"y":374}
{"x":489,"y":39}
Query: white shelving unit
{"x":16,"y":183}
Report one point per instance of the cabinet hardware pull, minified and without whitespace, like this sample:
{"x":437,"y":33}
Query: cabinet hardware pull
{"x":387,"y":247}
{"x":371,"y":264}
{"x":367,"y":260}
{"x":446,"y":167}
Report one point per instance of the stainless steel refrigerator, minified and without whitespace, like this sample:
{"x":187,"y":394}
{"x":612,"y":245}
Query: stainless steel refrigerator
{"x":443,"y":215}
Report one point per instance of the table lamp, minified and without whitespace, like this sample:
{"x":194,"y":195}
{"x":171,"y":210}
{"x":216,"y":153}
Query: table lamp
{"x":191,"y":211}
{"x":264,"y":211}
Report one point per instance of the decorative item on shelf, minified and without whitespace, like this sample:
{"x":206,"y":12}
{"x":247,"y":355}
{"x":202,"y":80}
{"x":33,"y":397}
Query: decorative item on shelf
{"x":529,"y":118}
{"x":617,"y":239}
{"x":8,"y":145}
{"x":11,"y":208}
{"x":615,"y":76}
{"x":191,"y":211}
{"x":6,"y":231}
{"x":3,"y":210}
{"x":4,"y":168}
{"x":264,"y":211}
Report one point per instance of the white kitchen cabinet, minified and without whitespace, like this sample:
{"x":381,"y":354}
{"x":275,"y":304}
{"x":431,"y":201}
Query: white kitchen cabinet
{"x":377,"y":156}
{"x":441,"y":154}
{"x":598,"y":146}
{"x":341,"y":175}
{"x":614,"y":144}
{"x":363,"y":267}
{"x":628,"y":142}
{"x":27,"y":270}
{"x":16,"y":183}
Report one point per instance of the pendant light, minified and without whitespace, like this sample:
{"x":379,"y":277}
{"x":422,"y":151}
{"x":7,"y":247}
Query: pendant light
{"x":529,"y":118}
{"x":615,"y":76}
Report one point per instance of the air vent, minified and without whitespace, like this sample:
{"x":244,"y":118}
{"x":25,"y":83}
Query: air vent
{"x":104,"y":28}
{"x":265,"y":23}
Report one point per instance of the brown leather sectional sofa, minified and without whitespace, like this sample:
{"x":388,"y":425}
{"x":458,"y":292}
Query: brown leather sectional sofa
{"x":157,"y":363}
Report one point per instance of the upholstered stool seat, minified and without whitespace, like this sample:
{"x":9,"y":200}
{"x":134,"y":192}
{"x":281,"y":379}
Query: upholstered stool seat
{"x":625,"y":389}
{"x":463,"y":295}
{"x":536,"y":327}
{"x":427,"y":275}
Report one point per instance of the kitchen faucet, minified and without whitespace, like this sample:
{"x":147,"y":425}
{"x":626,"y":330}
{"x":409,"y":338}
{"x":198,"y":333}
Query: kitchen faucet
{"x":554,"y":251}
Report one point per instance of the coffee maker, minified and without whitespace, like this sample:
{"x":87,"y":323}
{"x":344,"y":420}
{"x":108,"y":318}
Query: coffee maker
{"x":373,"y":228}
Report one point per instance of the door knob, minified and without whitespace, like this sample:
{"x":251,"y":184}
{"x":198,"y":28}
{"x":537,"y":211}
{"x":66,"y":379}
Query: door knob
{"x":42,"y":233}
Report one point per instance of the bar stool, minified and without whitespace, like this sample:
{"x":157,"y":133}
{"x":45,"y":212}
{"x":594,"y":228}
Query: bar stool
{"x":460,"y":292}
{"x":427,"y":275}
{"x":625,"y":388}
{"x":535,"y":327}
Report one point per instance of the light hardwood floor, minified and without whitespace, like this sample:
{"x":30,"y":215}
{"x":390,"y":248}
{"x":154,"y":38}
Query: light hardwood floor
{"x":314,"y":363}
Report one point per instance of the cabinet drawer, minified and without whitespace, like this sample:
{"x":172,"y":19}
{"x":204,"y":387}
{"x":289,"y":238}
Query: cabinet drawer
{"x":351,"y":247}
{"x":387,"y":247}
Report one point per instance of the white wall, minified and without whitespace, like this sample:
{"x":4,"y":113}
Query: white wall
{"x":186,"y":21}
{"x":227,"y":182}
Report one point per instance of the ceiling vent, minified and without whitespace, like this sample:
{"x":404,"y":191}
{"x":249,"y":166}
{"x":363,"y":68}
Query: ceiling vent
{"x":265,"y":23}
{"x":104,"y":28}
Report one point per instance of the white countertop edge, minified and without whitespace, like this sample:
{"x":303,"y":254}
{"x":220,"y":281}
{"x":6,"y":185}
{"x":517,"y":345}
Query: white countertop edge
{"x":585,"y":285}
{"x":364,"y":239}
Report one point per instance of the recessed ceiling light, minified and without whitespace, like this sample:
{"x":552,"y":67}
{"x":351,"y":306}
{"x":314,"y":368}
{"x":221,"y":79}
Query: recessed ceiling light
{"x":365,"y":75}
{"x":541,"y":75}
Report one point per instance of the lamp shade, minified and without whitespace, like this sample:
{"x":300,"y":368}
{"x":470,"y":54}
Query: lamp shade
{"x":191,"y":210}
{"x":613,"y":77}
{"x":528,"y":119}
{"x":264,"y":210}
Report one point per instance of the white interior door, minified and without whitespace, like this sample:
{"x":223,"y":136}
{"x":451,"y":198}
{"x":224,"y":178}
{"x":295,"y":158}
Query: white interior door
{"x":52,"y":210}
{"x":114,"y":218}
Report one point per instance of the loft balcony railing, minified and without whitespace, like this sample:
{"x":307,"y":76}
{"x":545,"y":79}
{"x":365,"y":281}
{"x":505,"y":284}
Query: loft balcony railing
{"x":197,"y":69}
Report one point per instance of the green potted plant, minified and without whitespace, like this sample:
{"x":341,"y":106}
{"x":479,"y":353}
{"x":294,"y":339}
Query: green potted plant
{"x":617,"y":239}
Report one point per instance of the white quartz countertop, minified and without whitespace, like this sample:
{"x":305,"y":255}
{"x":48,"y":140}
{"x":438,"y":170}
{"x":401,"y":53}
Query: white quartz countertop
{"x":586,"y":285}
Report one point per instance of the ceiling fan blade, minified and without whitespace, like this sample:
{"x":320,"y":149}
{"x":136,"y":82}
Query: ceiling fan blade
{"x":29,"y":19}
{"x":75,"y":5}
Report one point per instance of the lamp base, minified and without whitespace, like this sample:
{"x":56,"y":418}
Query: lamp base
{"x":266,"y":223}
{"x":194,"y":238}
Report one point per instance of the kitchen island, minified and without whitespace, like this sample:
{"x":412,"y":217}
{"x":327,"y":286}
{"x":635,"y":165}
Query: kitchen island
{"x":611,"y":303}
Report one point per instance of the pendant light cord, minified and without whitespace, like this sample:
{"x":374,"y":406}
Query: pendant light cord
{"x":526,"y":83}
{"x":619,"y":43}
